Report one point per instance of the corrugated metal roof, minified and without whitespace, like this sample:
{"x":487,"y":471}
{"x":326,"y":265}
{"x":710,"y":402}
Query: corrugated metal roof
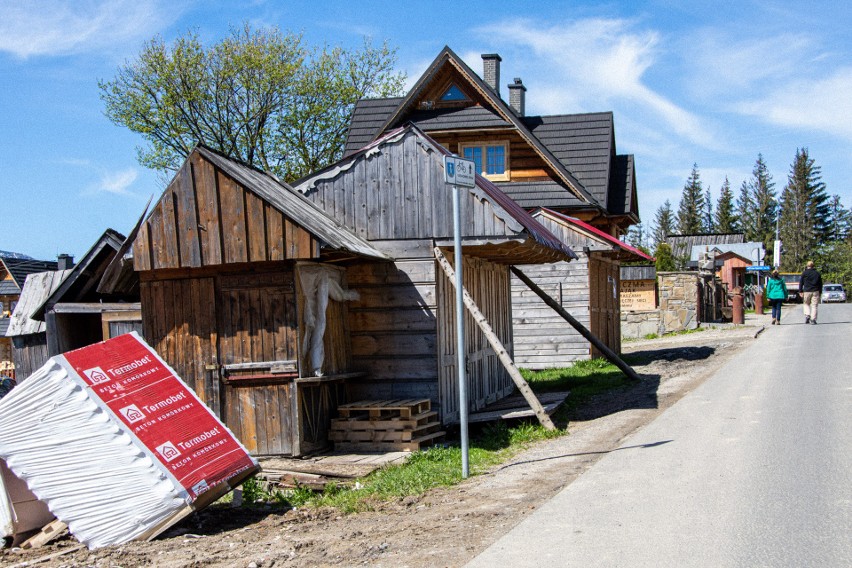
{"x":682,"y":244}
{"x":600,"y":235}
{"x":745,"y":250}
{"x":9,"y":288}
{"x":293,"y":204}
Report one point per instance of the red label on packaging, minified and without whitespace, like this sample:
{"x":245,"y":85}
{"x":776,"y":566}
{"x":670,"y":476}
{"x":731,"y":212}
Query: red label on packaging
{"x":163,"y":413}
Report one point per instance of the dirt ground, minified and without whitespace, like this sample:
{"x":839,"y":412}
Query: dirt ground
{"x":446,"y":526}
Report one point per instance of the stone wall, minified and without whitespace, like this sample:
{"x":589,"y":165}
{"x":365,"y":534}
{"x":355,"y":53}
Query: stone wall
{"x":635,"y":325}
{"x":679,"y":298}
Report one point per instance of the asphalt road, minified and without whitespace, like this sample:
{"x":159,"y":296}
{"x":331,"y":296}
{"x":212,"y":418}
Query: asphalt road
{"x":753,"y":468}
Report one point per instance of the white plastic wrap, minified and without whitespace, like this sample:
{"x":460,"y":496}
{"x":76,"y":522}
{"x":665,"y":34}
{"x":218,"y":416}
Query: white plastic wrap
{"x":76,"y":458}
{"x":7,"y":527}
{"x":319,"y":283}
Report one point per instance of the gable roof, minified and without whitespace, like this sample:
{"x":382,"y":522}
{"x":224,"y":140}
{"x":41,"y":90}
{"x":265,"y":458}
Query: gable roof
{"x":509,"y":221}
{"x":500,"y":108}
{"x":218,"y":210}
{"x":579,"y":148}
{"x":20,"y":268}
{"x":80,"y":284}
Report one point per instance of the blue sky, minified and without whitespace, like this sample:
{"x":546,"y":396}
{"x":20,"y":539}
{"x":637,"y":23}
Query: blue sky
{"x":712,"y":83}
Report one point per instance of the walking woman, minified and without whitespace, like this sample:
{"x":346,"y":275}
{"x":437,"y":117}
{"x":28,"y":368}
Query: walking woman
{"x":776,"y":292}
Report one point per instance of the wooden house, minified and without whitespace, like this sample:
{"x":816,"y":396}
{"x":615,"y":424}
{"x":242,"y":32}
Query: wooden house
{"x":13,"y":276}
{"x":567,"y":163}
{"x":393,"y":194}
{"x":272,"y":304}
{"x":588,"y":288}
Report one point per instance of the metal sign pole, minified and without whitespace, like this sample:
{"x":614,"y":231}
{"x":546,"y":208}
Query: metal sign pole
{"x":460,"y":172}
{"x":460,"y":347}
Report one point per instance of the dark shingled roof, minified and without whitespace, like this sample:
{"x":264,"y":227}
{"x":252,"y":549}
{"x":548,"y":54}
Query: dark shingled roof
{"x":583,"y":143}
{"x":369,"y":115}
{"x":456,"y":118}
{"x":19,"y":268}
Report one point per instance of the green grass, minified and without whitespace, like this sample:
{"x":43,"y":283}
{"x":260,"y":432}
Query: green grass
{"x":490,"y":445}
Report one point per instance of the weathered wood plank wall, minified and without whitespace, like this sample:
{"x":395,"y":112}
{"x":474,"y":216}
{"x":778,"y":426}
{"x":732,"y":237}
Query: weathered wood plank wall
{"x":394,"y":329}
{"x":29,"y":354}
{"x":542,"y":338}
{"x":487,"y":379}
{"x":205,"y":218}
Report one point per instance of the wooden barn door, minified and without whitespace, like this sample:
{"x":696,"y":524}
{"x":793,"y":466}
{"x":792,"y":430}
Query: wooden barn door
{"x":257,"y":352}
{"x":605,"y":312}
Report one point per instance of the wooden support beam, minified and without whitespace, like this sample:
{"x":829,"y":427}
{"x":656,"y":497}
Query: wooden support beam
{"x":497,"y":345}
{"x":611,"y":355}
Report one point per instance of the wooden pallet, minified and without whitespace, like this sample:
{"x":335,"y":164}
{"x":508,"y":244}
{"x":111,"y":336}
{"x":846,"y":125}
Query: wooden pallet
{"x":385,"y":425}
{"x":376,"y":409}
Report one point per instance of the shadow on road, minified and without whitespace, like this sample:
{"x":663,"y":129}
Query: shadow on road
{"x":642,"y":394}
{"x":600,"y":453}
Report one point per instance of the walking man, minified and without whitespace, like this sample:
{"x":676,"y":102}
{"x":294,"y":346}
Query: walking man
{"x":810,"y":286}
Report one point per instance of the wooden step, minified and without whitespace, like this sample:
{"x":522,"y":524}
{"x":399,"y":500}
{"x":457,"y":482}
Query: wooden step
{"x":411,"y":446}
{"x":382,"y":435}
{"x":361,"y":421}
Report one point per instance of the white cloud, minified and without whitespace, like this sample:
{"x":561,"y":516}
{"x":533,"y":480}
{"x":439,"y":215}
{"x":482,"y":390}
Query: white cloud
{"x":56,"y":27}
{"x":604,"y":60}
{"x":818,"y":104}
{"x":116,"y":183}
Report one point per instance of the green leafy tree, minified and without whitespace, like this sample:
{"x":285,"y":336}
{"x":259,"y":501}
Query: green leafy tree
{"x":664,"y":223}
{"x":805,"y":212}
{"x":726,"y":218}
{"x":834,"y":261}
{"x":259,"y":95}
{"x":690,"y":215}
{"x":665,"y":261}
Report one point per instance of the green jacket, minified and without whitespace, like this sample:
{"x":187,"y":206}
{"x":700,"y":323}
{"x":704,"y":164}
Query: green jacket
{"x":776,"y":289}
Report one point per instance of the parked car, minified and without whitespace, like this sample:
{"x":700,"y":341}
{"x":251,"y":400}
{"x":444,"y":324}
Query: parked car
{"x":791,"y":280}
{"x":833,"y":293}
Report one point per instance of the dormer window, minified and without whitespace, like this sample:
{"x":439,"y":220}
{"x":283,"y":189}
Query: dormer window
{"x":491,"y":159}
{"x":453,"y":94}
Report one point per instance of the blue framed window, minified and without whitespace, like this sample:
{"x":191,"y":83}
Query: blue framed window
{"x":453,"y":94}
{"x":491,"y":159}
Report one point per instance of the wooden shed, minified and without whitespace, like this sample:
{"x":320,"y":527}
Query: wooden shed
{"x":393,"y":194}
{"x":234,"y":267}
{"x":63,"y":310}
{"x":588,"y":288}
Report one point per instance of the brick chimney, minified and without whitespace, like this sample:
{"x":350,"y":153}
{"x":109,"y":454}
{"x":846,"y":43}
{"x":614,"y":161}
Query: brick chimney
{"x":517,"y":96}
{"x":491,"y":71}
{"x":64,"y":261}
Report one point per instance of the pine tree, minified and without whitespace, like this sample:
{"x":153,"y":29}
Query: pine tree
{"x":665,"y":262}
{"x":840,"y":220}
{"x":805,"y":212}
{"x":690,"y":214}
{"x":745,"y":208}
{"x":765,"y":206}
{"x":709,"y":224}
{"x":664,"y":223}
{"x":726,"y":218}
